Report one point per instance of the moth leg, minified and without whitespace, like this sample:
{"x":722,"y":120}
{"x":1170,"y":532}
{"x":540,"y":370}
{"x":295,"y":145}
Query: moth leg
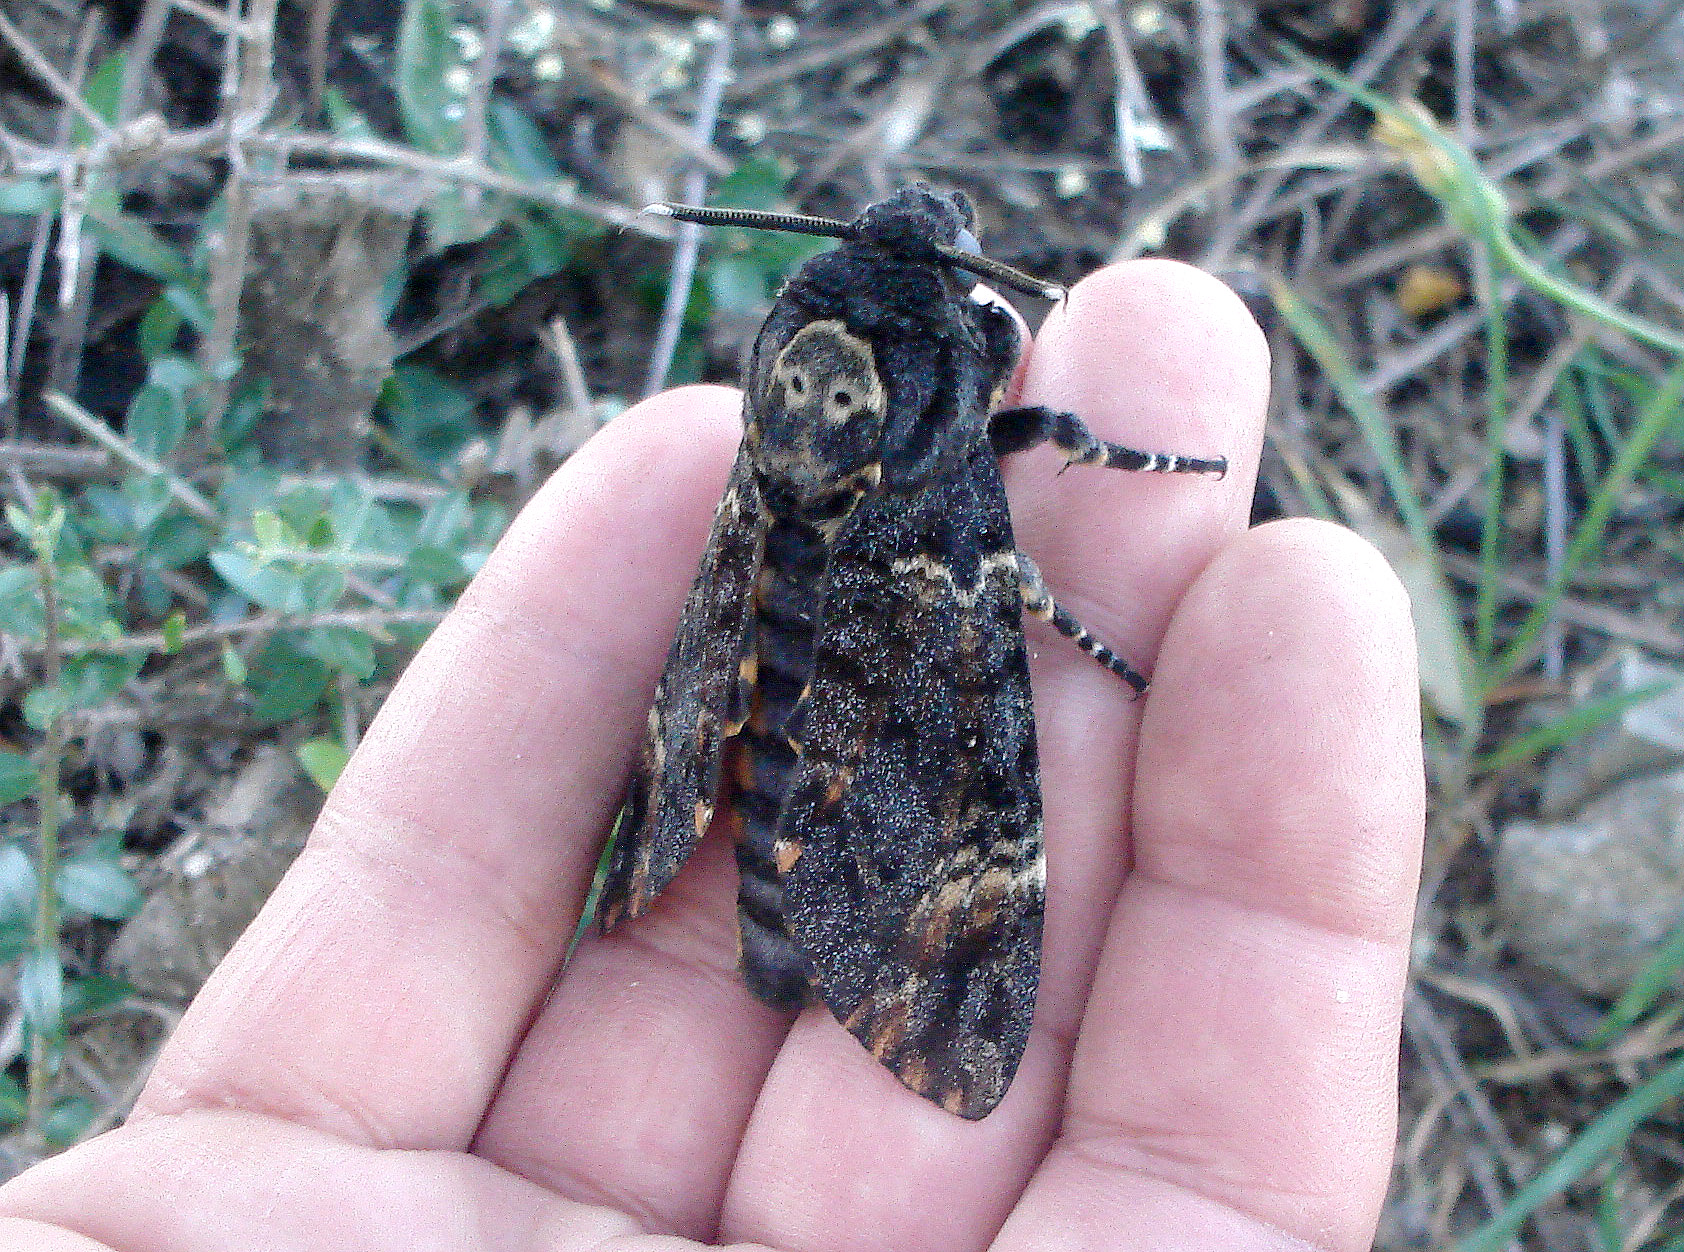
{"x":1016,"y":430}
{"x":1039,"y":602}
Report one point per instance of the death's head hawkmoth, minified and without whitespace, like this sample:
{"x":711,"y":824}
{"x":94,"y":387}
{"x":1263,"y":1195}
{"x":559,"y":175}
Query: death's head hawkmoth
{"x":848,"y":690}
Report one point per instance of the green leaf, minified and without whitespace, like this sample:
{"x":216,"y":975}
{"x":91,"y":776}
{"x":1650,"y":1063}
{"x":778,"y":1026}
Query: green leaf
{"x":160,"y":326}
{"x":18,"y":887}
{"x":234,"y":666}
{"x":342,"y":648}
{"x":319,"y":536}
{"x":175,"y":631}
{"x":68,"y":1121}
{"x":321,"y":588}
{"x":518,"y":146}
{"x":176,"y":540}
{"x":41,"y":990}
{"x":42,"y":706}
{"x":17,"y":777}
{"x":192,"y":305}
{"x":20,"y":602}
{"x":504,"y":274}
{"x":426,"y":411}
{"x":1649,"y":986}
{"x":1608,"y":1133}
{"x":241,"y":416}
{"x":443,"y":522}
{"x":83,"y":997}
{"x":27,"y":197}
{"x":1580,"y":720}
{"x":93,"y":680}
{"x":14,"y":1103}
{"x":269,"y":530}
{"x":86,"y":682}
{"x":323,"y":760}
{"x":175,"y":374}
{"x":148,"y":499}
{"x":285,"y":682}
{"x":131,"y":242}
{"x":425,"y":55}
{"x":84,"y":603}
{"x":438,"y":567}
{"x":449,"y":223}
{"x":737,"y":283}
{"x":343,"y":117}
{"x":100,"y":888}
{"x":265,"y":585}
{"x":102,"y":89}
{"x":156,"y":421}
{"x":758,"y":183}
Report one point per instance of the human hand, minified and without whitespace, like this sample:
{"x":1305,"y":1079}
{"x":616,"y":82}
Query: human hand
{"x":393,"y":1059}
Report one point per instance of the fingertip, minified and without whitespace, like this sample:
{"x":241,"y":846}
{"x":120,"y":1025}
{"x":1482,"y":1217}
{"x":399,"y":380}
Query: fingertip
{"x":1281,"y":752}
{"x":1356,"y":593}
{"x":1161,"y":347}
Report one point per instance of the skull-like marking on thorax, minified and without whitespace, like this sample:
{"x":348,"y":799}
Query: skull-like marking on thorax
{"x":829,"y":373}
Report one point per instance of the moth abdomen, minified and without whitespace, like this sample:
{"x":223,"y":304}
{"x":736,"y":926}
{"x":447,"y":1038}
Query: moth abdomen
{"x":785,"y":603}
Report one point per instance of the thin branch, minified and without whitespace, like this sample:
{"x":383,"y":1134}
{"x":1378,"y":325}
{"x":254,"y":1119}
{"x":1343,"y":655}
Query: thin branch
{"x":695,"y":192}
{"x":561,"y":195}
{"x":43,"y":69}
{"x":247,"y":87}
{"x":1129,"y":99}
{"x":1402,"y":28}
{"x":475,"y":130}
{"x":222,"y":23}
{"x":76,"y":254}
{"x":259,"y":624}
{"x":827,"y":54}
{"x":694,"y":145}
{"x":56,"y":462}
{"x":183,"y":492}
{"x":555,"y":336}
{"x":1213,"y":87}
{"x":142,"y":53}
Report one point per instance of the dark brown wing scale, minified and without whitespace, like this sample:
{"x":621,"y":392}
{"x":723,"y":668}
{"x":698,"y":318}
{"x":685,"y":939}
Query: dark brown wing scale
{"x":913,"y":827}
{"x":675,"y":784}
{"x":849,"y":684}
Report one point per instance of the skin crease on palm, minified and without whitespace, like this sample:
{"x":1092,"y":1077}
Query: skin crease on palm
{"x":390,"y":1062}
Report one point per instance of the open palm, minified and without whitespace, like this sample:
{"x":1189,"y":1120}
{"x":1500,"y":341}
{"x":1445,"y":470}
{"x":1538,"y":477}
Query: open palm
{"x":393,"y":1057}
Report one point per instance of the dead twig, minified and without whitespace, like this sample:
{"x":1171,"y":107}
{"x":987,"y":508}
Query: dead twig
{"x":476,"y":108}
{"x":695,"y":192}
{"x":373,"y":621}
{"x":76,"y":253}
{"x":248,"y":53}
{"x":1129,"y":96}
{"x":825,"y":55}
{"x":183,"y":492}
{"x":38,"y":64}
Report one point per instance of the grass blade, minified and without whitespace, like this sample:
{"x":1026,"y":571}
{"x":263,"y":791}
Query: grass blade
{"x":1654,"y":421}
{"x":1603,"y":1136}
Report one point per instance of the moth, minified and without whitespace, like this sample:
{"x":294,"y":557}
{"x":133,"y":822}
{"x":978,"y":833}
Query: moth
{"x":848,"y":690}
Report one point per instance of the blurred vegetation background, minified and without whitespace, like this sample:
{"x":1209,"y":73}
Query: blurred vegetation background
{"x":300,"y":300}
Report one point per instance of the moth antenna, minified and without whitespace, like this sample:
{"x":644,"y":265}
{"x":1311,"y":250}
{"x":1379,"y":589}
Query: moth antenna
{"x":830,"y":228}
{"x":1016,"y":279}
{"x":795,"y":223}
